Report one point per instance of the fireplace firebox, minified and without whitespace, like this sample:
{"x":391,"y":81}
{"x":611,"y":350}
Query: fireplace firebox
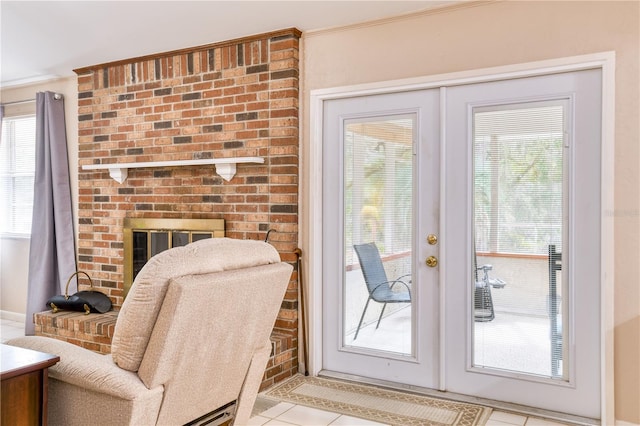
{"x":144,"y":238}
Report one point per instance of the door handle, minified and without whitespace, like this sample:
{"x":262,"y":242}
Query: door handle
{"x":432,"y":261}
{"x":432,"y":239}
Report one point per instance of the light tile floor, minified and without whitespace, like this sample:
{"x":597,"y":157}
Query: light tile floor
{"x":11,"y":329}
{"x":287,"y":414}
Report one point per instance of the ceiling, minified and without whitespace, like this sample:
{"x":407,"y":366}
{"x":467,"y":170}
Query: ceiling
{"x":41,"y":40}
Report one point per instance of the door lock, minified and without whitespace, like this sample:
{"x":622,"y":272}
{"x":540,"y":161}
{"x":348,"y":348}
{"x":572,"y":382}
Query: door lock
{"x":432,"y":239}
{"x":432,"y":261}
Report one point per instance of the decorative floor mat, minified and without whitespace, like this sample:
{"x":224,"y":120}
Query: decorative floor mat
{"x":380,"y":405}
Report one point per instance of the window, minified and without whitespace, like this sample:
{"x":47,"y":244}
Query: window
{"x":17,"y":169}
{"x":518,"y":158}
{"x":520,"y":197}
{"x":379,"y":182}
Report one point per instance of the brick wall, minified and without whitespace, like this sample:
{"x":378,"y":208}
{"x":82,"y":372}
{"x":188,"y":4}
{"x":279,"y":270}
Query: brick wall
{"x":230,"y":99}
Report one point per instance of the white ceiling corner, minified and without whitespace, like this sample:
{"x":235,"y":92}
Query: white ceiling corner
{"x":49,"y":39}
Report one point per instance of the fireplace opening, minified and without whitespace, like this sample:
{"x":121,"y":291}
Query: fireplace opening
{"x":144,"y":238}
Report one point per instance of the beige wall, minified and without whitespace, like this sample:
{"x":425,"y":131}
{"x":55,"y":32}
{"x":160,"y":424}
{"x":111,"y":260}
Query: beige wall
{"x":458,"y":39}
{"x":501,"y":33}
{"x":14,"y":253}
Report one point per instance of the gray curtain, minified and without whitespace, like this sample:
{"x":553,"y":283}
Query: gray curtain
{"x":52,"y":257}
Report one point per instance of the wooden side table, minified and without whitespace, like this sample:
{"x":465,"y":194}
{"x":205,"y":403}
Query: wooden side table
{"x":24,"y":385}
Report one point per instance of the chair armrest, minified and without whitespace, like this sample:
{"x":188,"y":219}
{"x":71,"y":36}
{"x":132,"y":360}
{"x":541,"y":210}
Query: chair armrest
{"x":497,"y":282}
{"x":391,"y":286}
{"x":394,"y":282}
{"x":401,"y":277}
{"x":86,"y":369}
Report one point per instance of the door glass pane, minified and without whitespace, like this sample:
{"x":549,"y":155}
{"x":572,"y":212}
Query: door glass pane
{"x":378,"y":224}
{"x":519,"y":231}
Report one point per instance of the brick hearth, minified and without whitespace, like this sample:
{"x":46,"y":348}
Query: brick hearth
{"x":95,"y":331}
{"x":231,"y":99}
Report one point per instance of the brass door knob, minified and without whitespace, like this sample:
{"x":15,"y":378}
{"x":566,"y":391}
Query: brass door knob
{"x":432,"y":261}
{"x":432,"y":239}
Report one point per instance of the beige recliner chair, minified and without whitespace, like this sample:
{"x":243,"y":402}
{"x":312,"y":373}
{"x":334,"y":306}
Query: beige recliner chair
{"x":192,"y":336}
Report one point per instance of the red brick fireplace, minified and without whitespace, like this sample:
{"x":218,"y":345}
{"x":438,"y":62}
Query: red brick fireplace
{"x":231,"y":99}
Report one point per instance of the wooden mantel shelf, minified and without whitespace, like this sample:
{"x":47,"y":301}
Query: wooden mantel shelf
{"x":225,"y":167}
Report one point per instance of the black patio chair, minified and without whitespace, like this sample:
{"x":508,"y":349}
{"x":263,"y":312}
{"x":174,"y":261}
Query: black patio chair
{"x":482,"y":300}
{"x":379,"y":286}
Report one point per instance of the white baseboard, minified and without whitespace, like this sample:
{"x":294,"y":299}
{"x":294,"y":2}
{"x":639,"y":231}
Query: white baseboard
{"x":623,"y":423}
{"x":13,"y":316}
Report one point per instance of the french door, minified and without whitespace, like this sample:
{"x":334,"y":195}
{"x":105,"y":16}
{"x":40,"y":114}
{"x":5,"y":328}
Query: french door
{"x":381,"y":171}
{"x":461,"y":243}
{"x":526,"y":202}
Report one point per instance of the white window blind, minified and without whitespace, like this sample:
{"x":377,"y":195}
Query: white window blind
{"x":17,"y":168}
{"x":378,"y":208}
{"x":518,"y":168}
{"x":379,"y":182}
{"x":520,"y":198}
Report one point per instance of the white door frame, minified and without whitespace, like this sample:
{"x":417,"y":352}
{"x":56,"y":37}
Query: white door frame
{"x":604,"y":61}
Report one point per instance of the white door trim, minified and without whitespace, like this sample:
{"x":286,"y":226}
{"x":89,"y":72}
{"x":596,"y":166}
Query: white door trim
{"x":604,"y":61}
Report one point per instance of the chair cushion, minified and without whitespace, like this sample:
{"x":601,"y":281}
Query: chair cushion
{"x":140,"y":309}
